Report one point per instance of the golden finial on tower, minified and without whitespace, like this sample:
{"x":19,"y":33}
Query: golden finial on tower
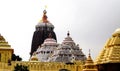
{"x":89,"y":52}
{"x":45,"y":9}
{"x":44,"y":18}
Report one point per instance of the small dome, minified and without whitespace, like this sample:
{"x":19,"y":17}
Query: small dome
{"x":50,"y":41}
{"x":117,"y":31}
{"x":50,"y":25}
{"x":34,"y":57}
{"x":40,"y":24}
{"x":44,"y":22}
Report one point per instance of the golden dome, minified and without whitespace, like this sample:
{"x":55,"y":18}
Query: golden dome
{"x":34,"y":57}
{"x":111,"y":50}
{"x":117,"y":32}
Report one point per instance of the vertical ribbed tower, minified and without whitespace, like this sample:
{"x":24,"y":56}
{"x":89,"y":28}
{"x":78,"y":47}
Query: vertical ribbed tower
{"x":43,"y":29}
{"x":109,"y":57}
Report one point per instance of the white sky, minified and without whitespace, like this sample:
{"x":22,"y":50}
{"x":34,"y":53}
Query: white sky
{"x":90,"y":22}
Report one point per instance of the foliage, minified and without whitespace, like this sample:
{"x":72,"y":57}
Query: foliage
{"x":21,"y":68}
{"x":16,"y":58}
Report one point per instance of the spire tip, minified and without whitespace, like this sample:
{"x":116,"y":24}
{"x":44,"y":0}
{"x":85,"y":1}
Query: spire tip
{"x":89,"y":52}
{"x":68,"y":34}
{"x":44,"y":18}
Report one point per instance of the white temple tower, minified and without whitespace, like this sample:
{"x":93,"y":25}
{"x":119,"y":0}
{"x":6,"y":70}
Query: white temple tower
{"x":67,"y":52}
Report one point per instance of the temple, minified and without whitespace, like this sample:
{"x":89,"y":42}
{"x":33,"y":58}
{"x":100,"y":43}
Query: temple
{"x":43,"y":29}
{"x":48,"y":55}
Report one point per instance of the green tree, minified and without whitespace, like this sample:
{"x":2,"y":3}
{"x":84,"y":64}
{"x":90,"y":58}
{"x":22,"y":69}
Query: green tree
{"x":16,"y":58}
{"x":21,"y":68}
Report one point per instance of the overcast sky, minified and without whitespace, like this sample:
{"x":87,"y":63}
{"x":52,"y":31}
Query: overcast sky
{"x":90,"y":22}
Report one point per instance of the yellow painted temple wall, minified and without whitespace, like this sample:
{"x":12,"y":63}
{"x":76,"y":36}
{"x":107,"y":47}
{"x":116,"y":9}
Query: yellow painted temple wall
{"x":41,"y":66}
{"x":5,"y":55}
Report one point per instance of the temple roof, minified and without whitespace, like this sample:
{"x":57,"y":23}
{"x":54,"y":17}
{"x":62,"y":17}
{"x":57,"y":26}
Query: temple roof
{"x":117,"y":32}
{"x":111,"y":51}
{"x":2,"y":38}
{"x":89,"y":64}
{"x":46,"y":49}
{"x":3,"y":43}
{"x":67,"y":51}
{"x":68,"y":40}
{"x":49,"y":41}
{"x":89,"y":60}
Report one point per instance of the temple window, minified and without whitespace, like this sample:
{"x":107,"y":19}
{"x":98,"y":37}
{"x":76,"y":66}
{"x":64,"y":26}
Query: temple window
{"x":60,"y":55}
{"x":51,"y":51}
{"x":65,"y":54}
{"x":36,"y":52}
{"x":69,"y":55}
{"x":48,"y":51}
{"x":42,"y":52}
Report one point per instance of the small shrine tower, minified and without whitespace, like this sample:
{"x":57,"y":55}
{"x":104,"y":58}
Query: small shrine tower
{"x":89,"y":64}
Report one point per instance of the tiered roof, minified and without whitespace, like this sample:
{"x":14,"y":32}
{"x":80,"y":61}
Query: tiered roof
{"x":3,"y":43}
{"x":67,"y":52}
{"x":89,"y":64}
{"x":111,"y":50}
